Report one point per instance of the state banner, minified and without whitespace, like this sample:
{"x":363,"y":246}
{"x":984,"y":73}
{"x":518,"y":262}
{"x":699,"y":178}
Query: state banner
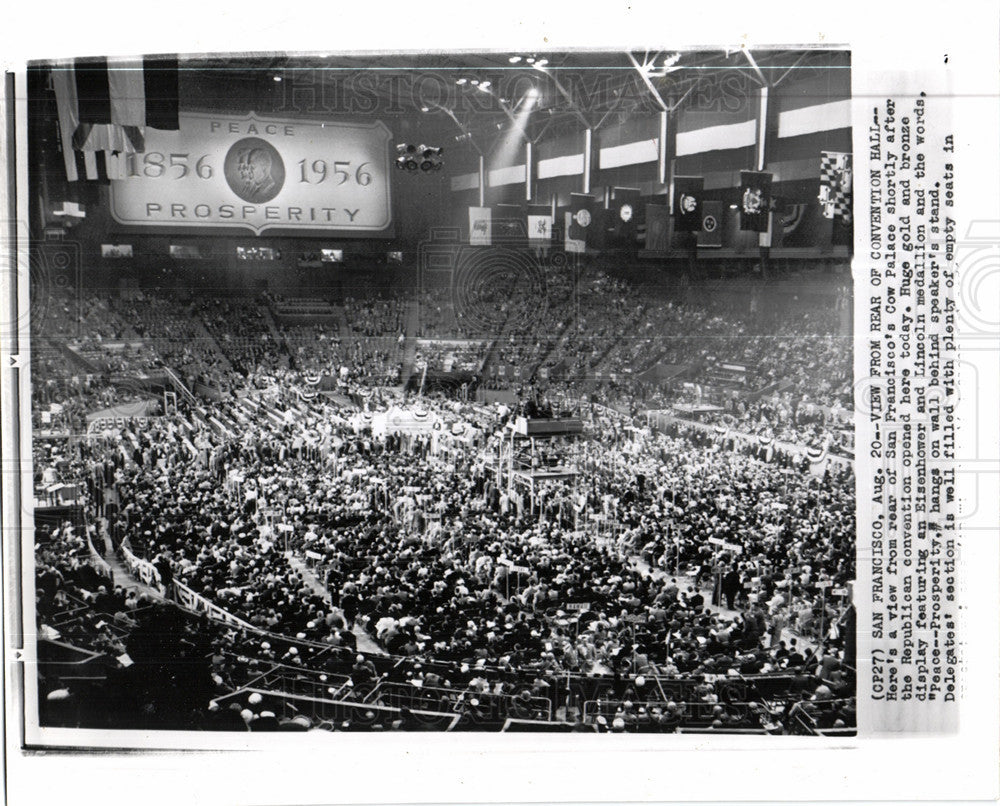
{"x":755,"y":200}
{"x":540,"y":228}
{"x":627,"y":213}
{"x":710,"y":234}
{"x":480,"y":226}
{"x":578,"y":222}
{"x":687,"y":203}
{"x":836,"y":172}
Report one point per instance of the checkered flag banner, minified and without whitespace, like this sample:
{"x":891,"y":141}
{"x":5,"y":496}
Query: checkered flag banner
{"x":836,"y":173}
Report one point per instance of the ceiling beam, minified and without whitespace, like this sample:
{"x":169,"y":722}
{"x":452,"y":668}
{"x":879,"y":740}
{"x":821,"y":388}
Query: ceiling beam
{"x":569,"y":98}
{"x":458,"y":123}
{"x":753,"y":64}
{"x":643,"y":72}
{"x":797,"y":64}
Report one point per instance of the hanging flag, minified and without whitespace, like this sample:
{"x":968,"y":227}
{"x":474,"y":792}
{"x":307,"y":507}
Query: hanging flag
{"x":836,"y":173}
{"x":104,"y":106}
{"x":77,"y":164}
{"x":657,"y":228}
{"x":480,"y":226}
{"x":687,"y":203}
{"x":109,"y":137}
{"x":710,"y":234}
{"x":160,"y":80}
{"x":128,"y":92}
{"x":755,"y":200}
{"x":627,"y":212}
{"x":578,"y":221}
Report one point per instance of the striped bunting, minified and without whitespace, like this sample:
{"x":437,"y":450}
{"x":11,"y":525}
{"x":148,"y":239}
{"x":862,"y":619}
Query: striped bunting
{"x":103,"y":108}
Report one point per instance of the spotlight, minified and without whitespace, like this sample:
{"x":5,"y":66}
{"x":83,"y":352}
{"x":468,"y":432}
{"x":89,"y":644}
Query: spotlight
{"x":424,"y":157}
{"x":461,"y":81}
{"x":277,"y":78}
{"x":425,"y":109}
{"x":484,"y":85}
{"x":514,"y":59}
{"x":540,"y":64}
{"x":406,"y":163}
{"x":474,"y":82}
{"x":530,"y":60}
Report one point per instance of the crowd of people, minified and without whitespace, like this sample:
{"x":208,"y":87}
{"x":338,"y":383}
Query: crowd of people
{"x":626,"y":341}
{"x":208,"y":517}
{"x":402,"y":559}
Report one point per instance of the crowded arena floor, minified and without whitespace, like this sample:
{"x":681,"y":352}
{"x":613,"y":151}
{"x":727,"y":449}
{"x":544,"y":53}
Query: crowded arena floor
{"x":332,"y":551}
{"x":336,"y":428}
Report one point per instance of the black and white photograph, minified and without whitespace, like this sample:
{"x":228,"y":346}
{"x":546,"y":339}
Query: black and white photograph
{"x":380,"y":382}
{"x":505,"y":392}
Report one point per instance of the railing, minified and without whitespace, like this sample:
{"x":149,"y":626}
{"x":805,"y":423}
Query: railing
{"x":480,"y":706}
{"x":335,"y":712}
{"x":179,"y":385}
{"x":334,"y":687}
{"x":683,"y":714}
{"x":143,"y":570}
{"x":96,"y":559}
{"x":186,"y":597}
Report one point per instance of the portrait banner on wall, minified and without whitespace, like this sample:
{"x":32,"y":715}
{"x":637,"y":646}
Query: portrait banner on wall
{"x":261,"y":173}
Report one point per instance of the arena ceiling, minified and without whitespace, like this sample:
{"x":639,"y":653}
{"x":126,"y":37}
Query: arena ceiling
{"x":472,"y":99}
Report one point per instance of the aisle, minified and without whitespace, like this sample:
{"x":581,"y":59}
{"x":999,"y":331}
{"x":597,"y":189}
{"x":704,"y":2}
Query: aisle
{"x":366,"y":643}
{"x":125,"y":580}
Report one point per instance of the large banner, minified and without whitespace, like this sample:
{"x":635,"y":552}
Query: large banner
{"x":626,"y":214}
{"x":259,"y":173}
{"x":836,"y":173}
{"x":687,"y":203}
{"x":711,"y":224}
{"x":578,"y":221}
